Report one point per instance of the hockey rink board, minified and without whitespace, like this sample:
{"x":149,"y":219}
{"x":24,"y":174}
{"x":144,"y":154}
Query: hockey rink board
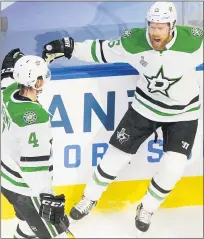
{"x":86,"y":106}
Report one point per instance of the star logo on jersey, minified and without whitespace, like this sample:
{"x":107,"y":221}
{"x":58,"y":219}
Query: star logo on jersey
{"x":160,"y":83}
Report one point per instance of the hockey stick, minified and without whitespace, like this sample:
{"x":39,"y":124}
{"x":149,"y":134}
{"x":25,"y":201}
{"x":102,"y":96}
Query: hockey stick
{"x":65,"y":229}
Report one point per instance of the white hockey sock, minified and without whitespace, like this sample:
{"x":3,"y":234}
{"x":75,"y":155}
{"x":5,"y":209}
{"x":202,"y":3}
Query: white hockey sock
{"x":172,"y":168}
{"x":154,"y":197}
{"x":107,"y":170}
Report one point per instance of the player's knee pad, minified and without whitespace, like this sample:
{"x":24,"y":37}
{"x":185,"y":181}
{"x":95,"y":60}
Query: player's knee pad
{"x":171,"y":169}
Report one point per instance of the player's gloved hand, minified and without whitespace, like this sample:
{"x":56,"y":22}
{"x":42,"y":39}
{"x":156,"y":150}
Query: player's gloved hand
{"x":9,"y":62}
{"x":58,"y":48}
{"x":52,"y":208}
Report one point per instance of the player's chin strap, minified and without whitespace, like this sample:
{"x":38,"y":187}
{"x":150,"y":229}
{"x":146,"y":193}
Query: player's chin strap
{"x":155,"y":131}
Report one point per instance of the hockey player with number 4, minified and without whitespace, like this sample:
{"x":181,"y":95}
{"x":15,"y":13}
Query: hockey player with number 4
{"x":166,"y":96}
{"x":26,"y":163}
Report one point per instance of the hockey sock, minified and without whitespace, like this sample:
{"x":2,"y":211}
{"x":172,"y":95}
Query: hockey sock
{"x":172,"y":168}
{"x":154,"y":197}
{"x":107,"y":170}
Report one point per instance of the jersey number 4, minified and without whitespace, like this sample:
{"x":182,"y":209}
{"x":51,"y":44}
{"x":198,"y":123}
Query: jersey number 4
{"x":33,"y":139}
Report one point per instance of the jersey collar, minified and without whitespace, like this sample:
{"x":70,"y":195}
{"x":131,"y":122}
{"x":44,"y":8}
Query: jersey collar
{"x":17,"y":99}
{"x":17,"y":96}
{"x":169,"y":45}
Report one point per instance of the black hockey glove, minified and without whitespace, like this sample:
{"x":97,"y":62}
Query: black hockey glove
{"x":59,"y":48}
{"x":52,"y":208}
{"x":9,"y":62}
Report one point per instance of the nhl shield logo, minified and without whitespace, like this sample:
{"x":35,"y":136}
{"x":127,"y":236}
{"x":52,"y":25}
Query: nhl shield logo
{"x":122,"y":136}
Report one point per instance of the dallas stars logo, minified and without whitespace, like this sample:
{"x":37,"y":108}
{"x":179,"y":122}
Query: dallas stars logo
{"x":160,"y":83}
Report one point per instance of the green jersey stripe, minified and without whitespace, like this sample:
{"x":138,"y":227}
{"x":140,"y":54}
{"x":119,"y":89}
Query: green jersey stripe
{"x":163,"y":105}
{"x":11,"y":176}
{"x":13,"y":181}
{"x":35,"y":169}
{"x":14,"y":173}
{"x":93,"y":51}
{"x":164,"y":113}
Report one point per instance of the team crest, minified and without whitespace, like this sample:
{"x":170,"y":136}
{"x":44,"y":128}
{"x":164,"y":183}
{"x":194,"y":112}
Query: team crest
{"x":122,"y":136}
{"x":30,"y":117}
{"x":197,"y":32}
{"x":160,"y":83}
{"x":127,"y":33}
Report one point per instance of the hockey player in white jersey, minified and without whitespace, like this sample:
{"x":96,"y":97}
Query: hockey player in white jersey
{"x":26,"y":164}
{"x":166,"y":96}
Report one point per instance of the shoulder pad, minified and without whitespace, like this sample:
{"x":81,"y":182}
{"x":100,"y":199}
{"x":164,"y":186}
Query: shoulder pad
{"x":28,"y":113}
{"x":134,"y":40}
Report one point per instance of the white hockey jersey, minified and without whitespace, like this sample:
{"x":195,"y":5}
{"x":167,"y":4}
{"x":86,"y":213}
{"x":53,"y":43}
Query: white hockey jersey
{"x":26,"y":166}
{"x":168,"y":88}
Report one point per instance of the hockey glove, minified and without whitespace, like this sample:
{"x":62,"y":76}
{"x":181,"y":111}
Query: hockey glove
{"x":58,"y":48}
{"x":9,"y":62}
{"x":52,"y":208}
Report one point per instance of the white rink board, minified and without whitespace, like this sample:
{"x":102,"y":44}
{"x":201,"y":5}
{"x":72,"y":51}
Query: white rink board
{"x":74,"y":166}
